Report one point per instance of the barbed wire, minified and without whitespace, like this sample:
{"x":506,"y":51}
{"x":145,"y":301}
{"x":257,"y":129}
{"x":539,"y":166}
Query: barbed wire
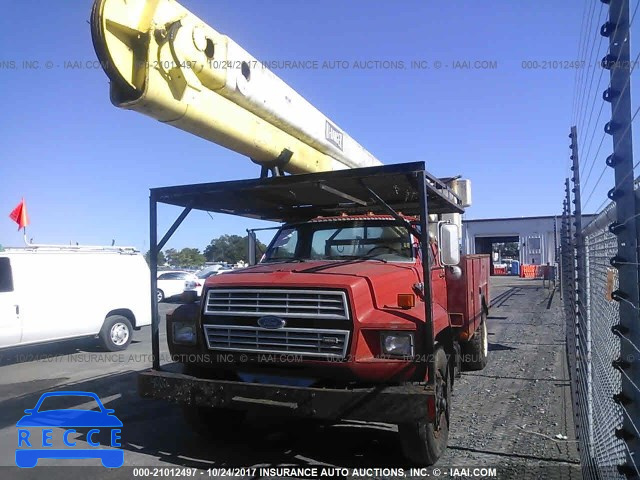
{"x":595,"y":157}
{"x":631,"y":456}
{"x":615,"y":147}
{"x":590,"y":41}
{"x":592,"y":66}
{"x":583,"y":36}
{"x":586,"y":27}
{"x":581,"y":56}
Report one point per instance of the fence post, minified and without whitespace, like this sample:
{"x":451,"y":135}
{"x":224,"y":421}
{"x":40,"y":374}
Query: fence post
{"x":583,"y":323}
{"x":578,"y":235}
{"x":556,"y":264}
{"x":570,"y":308}
{"x":617,"y":61}
{"x":563,"y":251}
{"x":570,"y":270}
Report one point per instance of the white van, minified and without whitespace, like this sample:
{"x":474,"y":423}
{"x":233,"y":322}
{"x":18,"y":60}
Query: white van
{"x":57,"y":293}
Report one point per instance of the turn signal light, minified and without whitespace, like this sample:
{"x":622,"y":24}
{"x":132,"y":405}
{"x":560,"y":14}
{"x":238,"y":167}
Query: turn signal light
{"x":406,"y":300}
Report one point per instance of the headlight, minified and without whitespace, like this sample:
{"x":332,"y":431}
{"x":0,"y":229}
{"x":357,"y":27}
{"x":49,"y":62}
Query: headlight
{"x":184,"y":333}
{"x":397,"y":343}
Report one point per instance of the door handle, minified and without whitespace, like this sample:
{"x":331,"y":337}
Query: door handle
{"x":17,"y":309}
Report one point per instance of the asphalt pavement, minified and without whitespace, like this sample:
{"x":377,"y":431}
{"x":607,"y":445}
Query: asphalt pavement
{"x":515,"y":415}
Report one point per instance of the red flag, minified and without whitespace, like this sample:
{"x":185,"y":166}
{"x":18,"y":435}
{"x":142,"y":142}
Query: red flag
{"x":19,"y":215}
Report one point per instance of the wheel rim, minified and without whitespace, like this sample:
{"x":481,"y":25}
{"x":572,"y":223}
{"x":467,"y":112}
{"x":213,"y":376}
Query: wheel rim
{"x":159,"y":295}
{"x":441,"y":404}
{"x":119,"y":334}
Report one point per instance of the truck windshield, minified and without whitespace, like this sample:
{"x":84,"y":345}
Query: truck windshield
{"x":341,"y":240}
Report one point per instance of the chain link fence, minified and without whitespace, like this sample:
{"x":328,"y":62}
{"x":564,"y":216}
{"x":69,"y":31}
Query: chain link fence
{"x":599,"y":261}
{"x":592,"y":348}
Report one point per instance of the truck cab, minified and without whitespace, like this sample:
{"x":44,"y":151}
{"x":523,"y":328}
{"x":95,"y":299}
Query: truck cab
{"x":355,"y":311}
{"x":333,"y":301}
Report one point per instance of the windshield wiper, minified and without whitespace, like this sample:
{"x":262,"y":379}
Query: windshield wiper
{"x":284,"y":260}
{"x":356,"y":257}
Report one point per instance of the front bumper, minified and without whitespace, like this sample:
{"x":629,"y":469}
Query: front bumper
{"x":388,"y":404}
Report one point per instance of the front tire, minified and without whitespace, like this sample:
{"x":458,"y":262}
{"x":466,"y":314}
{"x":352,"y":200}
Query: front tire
{"x":116,"y":333}
{"x":160,"y":295}
{"x":476,"y":350}
{"x":422,"y":442}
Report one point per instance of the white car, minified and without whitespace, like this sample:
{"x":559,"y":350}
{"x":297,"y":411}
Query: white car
{"x":197,"y":283}
{"x":172,"y":283}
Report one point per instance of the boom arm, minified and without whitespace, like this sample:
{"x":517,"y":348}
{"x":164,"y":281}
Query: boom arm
{"x":166,"y":63}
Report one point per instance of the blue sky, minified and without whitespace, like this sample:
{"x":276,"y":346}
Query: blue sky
{"x":85,"y":167}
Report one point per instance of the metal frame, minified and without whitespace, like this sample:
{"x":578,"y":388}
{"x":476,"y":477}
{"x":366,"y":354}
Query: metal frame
{"x":423,"y":183}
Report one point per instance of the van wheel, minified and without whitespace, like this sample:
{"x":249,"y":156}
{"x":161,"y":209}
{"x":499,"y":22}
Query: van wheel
{"x":423,"y":442}
{"x":116,"y":333}
{"x":160,"y":294}
{"x":211,"y":423}
{"x":476,"y":350}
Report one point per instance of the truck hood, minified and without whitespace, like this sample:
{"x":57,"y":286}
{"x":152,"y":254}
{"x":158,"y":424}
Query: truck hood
{"x":384,"y":280}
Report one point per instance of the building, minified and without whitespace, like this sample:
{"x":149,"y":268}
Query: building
{"x":536,"y":238}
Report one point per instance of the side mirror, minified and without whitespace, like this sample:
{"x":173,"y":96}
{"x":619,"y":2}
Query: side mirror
{"x":251,"y":247}
{"x":449,"y":244}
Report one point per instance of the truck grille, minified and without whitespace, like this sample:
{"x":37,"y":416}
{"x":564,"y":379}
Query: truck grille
{"x":298,"y":341}
{"x":283,"y":303}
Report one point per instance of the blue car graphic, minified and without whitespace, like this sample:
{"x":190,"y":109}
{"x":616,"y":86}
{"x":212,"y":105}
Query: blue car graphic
{"x":67,"y":419}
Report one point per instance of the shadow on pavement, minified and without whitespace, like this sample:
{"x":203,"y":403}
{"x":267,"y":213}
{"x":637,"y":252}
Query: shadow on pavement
{"x":494,"y":347}
{"x":155,"y":429}
{"x":44,"y":351}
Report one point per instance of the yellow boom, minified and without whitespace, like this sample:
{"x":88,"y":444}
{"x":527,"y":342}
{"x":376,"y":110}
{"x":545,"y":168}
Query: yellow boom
{"x":166,"y":63}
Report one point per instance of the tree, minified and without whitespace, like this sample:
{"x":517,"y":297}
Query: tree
{"x":161,"y":259}
{"x":185,"y":258}
{"x":190,"y":257}
{"x":229,"y":248}
{"x":507,"y":250}
{"x":171,"y":255}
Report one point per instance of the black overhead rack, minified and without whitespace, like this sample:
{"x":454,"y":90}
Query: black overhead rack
{"x":301,"y":197}
{"x":404,"y":188}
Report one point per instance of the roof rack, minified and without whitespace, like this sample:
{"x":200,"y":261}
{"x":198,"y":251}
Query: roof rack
{"x":72,"y":248}
{"x":302,"y":197}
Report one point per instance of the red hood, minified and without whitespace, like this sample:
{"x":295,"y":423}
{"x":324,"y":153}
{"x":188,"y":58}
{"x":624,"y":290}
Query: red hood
{"x":385,"y":279}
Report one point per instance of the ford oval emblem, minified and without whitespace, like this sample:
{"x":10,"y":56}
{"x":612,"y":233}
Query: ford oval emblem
{"x":271,"y":322}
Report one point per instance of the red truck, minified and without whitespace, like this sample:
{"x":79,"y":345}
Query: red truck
{"x":342,"y":318}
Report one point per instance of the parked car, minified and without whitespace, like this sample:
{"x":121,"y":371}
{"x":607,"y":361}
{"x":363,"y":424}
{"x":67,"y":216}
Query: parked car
{"x":172,"y":283}
{"x":197,"y":283}
{"x":214,"y":268}
{"x":110,"y":306}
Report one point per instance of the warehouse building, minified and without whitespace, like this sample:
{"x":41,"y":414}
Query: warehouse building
{"x":529,"y":240}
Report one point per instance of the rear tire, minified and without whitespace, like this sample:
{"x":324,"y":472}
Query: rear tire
{"x":160,"y":295}
{"x":476,"y":350}
{"x":422,"y":443}
{"x":209,"y":423}
{"x":116,"y":333}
